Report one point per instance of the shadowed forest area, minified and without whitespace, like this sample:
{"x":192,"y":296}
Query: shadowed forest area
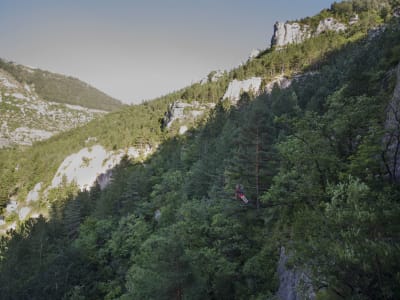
{"x":315,"y":162}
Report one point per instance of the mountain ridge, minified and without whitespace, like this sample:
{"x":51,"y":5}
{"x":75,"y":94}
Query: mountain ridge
{"x":36,"y":104}
{"x":61,"y":88}
{"x":306,"y":142}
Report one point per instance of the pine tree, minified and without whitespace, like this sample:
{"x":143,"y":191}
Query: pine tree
{"x":253,"y":162}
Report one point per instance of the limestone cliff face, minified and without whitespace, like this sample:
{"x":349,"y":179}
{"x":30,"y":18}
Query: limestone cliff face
{"x":289,"y":33}
{"x":184,"y":113}
{"x":330,"y":24}
{"x":294,"y":284}
{"x":391,"y":139}
{"x":175,"y":112}
{"x":237,"y":87}
{"x":85,"y":168}
{"x":294,"y":33}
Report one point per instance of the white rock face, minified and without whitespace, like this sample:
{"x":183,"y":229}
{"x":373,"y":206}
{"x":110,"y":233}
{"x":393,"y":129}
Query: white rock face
{"x":12,"y":226}
{"x":84,"y":167}
{"x":23,"y":212}
{"x":5,"y":82}
{"x":294,"y":284}
{"x":176,"y":111}
{"x":183,"y":129}
{"x":182,"y":111}
{"x":289,"y":33}
{"x":392,"y":133}
{"x":196,"y":113}
{"x":26,"y":136}
{"x":236,"y":88}
{"x":253,"y":54}
{"x":294,"y":33}
{"x":133,"y":152}
{"x":148,"y":149}
{"x":19,"y":96}
{"x":88,"y":164}
{"x":217,"y":75}
{"x":212,"y":77}
{"x":330,"y":24}
{"x":33,"y":195}
{"x":353,"y":20}
{"x":91,"y":139}
{"x":281,"y":82}
{"x":12,"y":206}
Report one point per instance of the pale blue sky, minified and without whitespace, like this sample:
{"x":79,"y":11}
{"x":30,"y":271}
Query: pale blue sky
{"x":140,"y":49}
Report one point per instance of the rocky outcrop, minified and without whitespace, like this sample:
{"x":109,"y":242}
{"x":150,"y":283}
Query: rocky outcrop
{"x":396,"y":12}
{"x":280,"y":82}
{"x":175,"y":112}
{"x":33,"y":195}
{"x":12,"y":206}
{"x":330,"y":24}
{"x":391,"y":139}
{"x":24,"y":212}
{"x":253,"y":54}
{"x":294,"y":33}
{"x":184,"y":112}
{"x":289,"y":33}
{"x":90,"y":166}
{"x":354,"y":19}
{"x":85,"y":166}
{"x":294,"y":284}
{"x":237,"y":87}
{"x":183,"y":129}
{"x":212,"y":77}
{"x":26,"y":118}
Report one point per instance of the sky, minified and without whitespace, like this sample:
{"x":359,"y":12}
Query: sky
{"x":136,"y":50}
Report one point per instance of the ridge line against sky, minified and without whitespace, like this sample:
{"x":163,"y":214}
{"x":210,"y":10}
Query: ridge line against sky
{"x":138,"y":50}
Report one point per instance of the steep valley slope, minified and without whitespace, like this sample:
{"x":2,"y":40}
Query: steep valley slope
{"x":35,"y":104}
{"x":141,"y":204}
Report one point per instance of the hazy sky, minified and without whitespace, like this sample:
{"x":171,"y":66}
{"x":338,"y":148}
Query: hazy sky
{"x":140,"y":49}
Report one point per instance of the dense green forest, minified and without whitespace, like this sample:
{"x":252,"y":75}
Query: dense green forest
{"x":313,"y":159}
{"x":59,"y":88}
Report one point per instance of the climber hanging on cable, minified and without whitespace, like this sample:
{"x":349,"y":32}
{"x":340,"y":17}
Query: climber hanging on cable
{"x":239,"y":194}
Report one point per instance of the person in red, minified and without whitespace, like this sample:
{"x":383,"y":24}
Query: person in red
{"x":240,"y":194}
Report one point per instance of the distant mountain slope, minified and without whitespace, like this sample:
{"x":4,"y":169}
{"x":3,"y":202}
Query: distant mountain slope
{"x":26,"y":118}
{"x":59,"y":88}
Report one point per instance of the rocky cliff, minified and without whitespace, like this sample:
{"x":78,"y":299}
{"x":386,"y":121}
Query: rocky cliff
{"x":237,"y":87}
{"x":330,"y":24}
{"x":184,"y":113}
{"x":294,"y":33}
{"x":294,"y":284}
{"x":86,"y":168}
{"x":391,"y":139}
{"x":289,"y":33}
{"x":25,"y":117}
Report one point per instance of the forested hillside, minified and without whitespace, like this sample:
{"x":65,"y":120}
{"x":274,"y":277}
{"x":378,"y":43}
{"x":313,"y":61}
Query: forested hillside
{"x":318,"y":159}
